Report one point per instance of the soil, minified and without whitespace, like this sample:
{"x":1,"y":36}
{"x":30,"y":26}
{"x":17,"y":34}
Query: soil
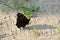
{"x":42,"y":23}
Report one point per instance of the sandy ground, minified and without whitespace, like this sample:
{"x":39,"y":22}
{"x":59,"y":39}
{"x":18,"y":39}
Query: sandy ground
{"x":42,"y":23}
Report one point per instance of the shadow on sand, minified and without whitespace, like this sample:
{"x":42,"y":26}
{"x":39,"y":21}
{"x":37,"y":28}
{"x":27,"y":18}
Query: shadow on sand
{"x":38,"y":27}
